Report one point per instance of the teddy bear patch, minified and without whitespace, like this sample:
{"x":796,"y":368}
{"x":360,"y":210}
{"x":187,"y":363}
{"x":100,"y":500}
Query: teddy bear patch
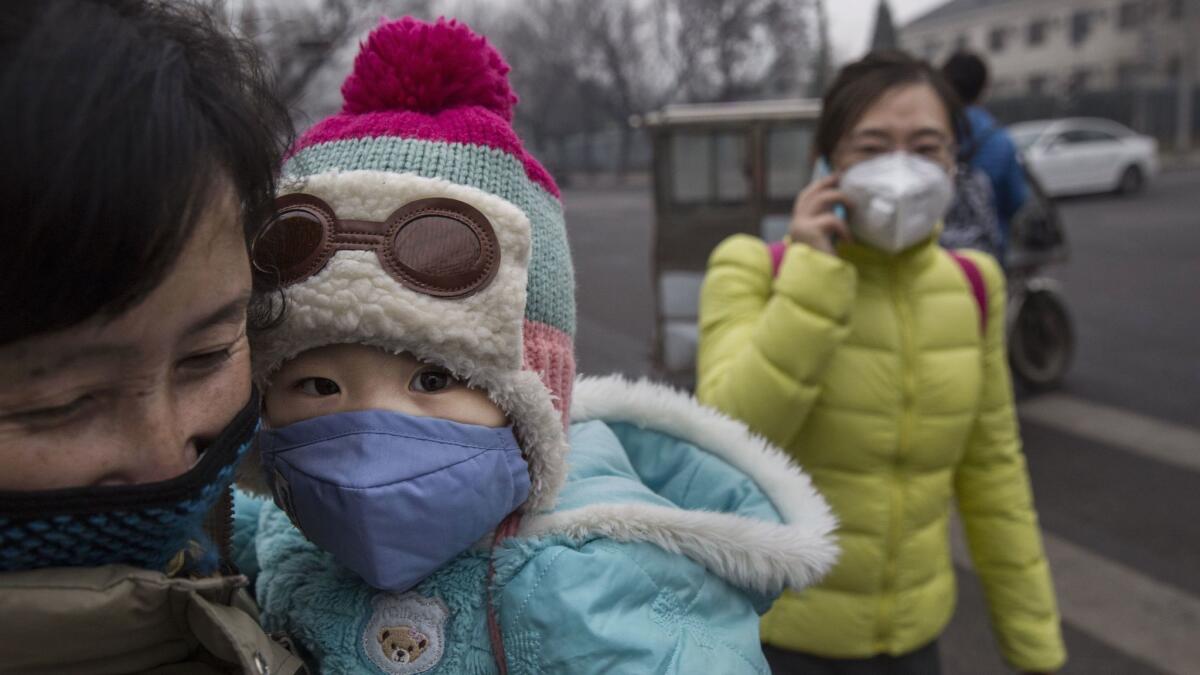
{"x":403,"y":644}
{"x":406,"y":633}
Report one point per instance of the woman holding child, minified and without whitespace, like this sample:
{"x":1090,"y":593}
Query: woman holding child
{"x":446,"y":497}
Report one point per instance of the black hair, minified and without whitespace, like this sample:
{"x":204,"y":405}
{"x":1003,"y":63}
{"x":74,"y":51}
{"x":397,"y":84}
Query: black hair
{"x":122,"y":122}
{"x":860,"y":84}
{"x":968,"y":74}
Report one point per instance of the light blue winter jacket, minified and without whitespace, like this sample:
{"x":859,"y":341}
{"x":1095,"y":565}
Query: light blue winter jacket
{"x":675,"y":529}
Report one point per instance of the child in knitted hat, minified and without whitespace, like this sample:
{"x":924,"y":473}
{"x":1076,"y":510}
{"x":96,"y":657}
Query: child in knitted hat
{"x":429,"y":513}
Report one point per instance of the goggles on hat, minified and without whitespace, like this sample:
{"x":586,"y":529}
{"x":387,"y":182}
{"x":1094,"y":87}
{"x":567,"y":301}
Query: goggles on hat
{"x":440,"y":247}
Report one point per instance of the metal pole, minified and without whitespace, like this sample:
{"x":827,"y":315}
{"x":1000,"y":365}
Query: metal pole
{"x":1186,"y":78}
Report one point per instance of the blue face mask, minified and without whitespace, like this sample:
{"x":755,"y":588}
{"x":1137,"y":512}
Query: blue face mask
{"x":394,"y":497}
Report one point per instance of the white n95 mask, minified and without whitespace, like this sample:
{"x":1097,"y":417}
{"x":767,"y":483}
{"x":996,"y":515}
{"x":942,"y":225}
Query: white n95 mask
{"x":897,"y":199}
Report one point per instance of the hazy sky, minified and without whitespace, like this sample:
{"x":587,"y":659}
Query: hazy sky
{"x":851,"y":21}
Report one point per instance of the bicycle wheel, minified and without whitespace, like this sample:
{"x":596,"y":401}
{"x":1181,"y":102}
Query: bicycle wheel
{"x":1042,"y":341}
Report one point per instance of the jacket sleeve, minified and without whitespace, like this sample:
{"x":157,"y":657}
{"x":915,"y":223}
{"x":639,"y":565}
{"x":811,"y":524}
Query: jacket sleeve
{"x":996,"y":504}
{"x":764,"y":342}
{"x":1011,"y":192}
{"x":601,"y":607}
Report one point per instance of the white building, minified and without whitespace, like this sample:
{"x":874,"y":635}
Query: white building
{"x":1053,"y":47}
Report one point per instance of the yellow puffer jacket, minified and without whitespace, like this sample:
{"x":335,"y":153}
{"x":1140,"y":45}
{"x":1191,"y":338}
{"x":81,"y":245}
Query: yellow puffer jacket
{"x":872,"y":370}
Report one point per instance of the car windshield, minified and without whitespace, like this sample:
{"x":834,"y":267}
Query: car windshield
{"x":1025,"y":135}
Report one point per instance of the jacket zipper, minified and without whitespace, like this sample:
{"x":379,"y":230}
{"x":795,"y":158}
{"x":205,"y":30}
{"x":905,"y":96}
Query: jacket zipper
{"x":220,"y":528}
{"x":895,"y":516}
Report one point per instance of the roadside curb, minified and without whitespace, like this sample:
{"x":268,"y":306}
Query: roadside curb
{"x":1176,"y":161}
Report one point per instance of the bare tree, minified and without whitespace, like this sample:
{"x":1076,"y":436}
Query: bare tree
{"x":302,"y":38}
{"x":546,"y":66}
{"x":580,"y":66}
{"x":621,"y":57}
{"x":733,"y":49}
{"x":823,"y":60}
{"x":625,"y":57}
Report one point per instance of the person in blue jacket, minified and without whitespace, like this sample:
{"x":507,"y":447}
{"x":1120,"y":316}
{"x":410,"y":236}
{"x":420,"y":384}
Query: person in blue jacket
{"x":446,"y":498}
{"x":989,"y":148}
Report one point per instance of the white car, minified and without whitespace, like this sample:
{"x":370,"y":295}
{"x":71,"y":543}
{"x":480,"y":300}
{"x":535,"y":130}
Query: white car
{"x":1083,"y":155}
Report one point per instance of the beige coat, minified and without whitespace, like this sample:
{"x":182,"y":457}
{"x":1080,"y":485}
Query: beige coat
{"x":119,"y":619}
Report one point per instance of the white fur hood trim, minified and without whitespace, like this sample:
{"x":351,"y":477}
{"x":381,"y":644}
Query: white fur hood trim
{"x":752,"y":554}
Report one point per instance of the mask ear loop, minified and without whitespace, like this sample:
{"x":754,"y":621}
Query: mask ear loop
{"x":507,"y":528}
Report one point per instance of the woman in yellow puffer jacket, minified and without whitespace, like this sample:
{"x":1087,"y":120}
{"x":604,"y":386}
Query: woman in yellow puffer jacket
{"x":877,"y":359}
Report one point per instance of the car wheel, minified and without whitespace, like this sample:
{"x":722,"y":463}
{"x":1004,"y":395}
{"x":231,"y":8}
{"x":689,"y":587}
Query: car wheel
{"x":1132,"y":181}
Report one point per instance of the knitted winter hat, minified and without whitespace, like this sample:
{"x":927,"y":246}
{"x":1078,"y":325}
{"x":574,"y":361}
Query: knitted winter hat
{"x":457,"y":247}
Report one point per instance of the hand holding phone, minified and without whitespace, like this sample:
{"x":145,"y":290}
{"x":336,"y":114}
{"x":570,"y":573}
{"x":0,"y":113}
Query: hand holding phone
{"x":818,"y":214}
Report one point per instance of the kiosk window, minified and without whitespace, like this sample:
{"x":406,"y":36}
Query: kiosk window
{"x":709,"y":167}
{"x":788,"y":161}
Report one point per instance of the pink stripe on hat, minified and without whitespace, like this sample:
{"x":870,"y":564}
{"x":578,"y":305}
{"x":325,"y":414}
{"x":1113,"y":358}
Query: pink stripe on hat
{"x":550,"y":352}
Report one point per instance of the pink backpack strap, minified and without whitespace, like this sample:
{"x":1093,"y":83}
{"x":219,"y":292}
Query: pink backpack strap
{"x":978,"y":288}
{"x":776,"y":249}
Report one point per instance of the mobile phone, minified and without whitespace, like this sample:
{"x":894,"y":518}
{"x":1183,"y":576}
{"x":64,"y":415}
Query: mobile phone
{"x":821,"y":170}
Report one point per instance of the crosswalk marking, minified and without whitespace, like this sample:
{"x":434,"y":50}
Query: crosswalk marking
{"x":1163,"y":441}
{"x":1117,"y":605}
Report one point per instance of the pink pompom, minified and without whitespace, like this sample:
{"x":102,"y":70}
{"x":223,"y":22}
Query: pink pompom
{"x":408,"y":64}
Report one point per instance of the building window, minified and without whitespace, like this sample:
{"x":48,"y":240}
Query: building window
{"x":1081,"y":27}
{"x":1081,"y":80}
{"x":1173,"y":67}
{"x":1037,"y":85}
{"x":1131,"y":14}
{"x":1037,"y":32}
{"x":997,"y":38}
{"x":1175,"y":9}
{"x":1128,"y":74}
{"x":961,"y":43}
{"x":932,"y":47}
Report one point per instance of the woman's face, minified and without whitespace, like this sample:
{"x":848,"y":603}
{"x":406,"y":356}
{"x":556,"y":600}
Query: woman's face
{"x":909,"y":118}
{"x":133,"y":398}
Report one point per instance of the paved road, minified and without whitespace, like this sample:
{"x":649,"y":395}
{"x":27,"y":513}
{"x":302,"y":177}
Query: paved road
{"x":1114,"y":457}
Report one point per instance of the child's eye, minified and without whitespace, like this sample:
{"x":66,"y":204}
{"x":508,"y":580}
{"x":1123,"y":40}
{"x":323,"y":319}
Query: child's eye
{"x":318,"y":386}
{"x":432,"y":380}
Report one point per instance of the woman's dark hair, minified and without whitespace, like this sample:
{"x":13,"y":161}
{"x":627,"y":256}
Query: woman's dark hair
{"x":860,"y":84}
{"x":122,"y":121}
{"x":968,"y":74}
